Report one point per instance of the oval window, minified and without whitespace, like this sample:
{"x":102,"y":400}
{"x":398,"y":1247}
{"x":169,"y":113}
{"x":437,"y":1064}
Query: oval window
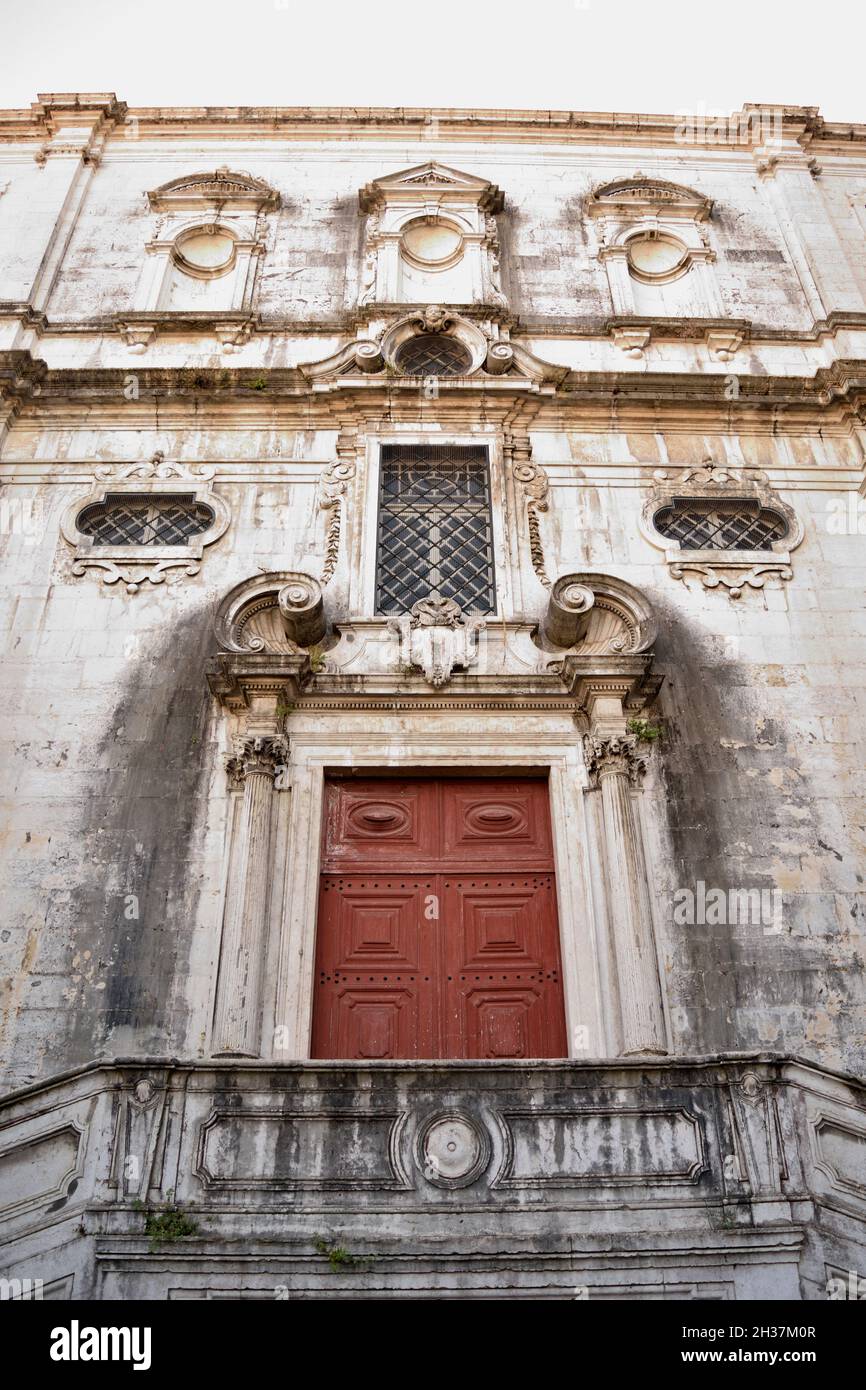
{"x":205,"y":253}
{"x":433,"y":354}
{"x":656,"y":256}
{"x":431,"y":242}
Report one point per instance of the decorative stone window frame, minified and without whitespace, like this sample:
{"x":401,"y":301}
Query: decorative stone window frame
{"x":732,"y":571}
{"x":628,"y":210}
{"x":363,"y":595}
{"x":222,"y":203}
{"x":436,"y":320}
{"x":430,"y":194}
{"x":366,"y":359}
{"x":137,"y":565}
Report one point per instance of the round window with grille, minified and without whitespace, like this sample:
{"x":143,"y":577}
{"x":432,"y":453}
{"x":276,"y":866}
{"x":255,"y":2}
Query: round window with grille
{"x":145,"y":519}
{"x":433,"y":354}
{"x":699,"y":524}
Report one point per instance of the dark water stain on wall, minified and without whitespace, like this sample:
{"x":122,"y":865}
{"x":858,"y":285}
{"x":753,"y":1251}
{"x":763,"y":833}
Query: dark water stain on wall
{"x":694,"y":772}
{"x":742,"y":984}
{"x":140,"y":842}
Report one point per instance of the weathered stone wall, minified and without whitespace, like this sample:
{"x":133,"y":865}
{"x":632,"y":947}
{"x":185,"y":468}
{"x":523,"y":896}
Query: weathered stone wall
{"x":687,"y":1181}
{"x":115,"y":748}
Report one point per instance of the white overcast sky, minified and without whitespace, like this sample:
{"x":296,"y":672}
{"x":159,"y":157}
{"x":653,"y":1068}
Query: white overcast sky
{"x":583,"y":55}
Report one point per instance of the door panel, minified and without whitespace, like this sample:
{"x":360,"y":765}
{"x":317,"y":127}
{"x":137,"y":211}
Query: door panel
{"x":380,"y":822}
{"x":486,"y":822}
{"x":502,"y":988}
{"x":417,"y":960}
{"x":375,"y":967}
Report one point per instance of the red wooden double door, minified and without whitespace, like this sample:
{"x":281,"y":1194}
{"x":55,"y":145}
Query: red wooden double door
{"x":437,"y":929}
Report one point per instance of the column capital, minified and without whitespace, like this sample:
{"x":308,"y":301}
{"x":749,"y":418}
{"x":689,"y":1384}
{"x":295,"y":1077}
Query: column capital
{"x":256,"y":756}
{"x":614,"y":756}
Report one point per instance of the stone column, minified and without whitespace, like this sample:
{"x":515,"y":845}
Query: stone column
{"x":615,"y":768}
{"x":237,"y":1021}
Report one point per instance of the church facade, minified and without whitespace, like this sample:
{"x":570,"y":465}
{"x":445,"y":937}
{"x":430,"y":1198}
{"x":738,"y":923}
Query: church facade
{"x":434,"y":840}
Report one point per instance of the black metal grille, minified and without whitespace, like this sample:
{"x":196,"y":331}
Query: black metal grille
{"x":435,"y":528}
{"x":432,"y":354}
{"x":712,"y":525}
{"x":145,"y":519}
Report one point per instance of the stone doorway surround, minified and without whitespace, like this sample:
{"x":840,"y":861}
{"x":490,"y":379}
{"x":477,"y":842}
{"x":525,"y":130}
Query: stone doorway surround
{"x":565,"y":720}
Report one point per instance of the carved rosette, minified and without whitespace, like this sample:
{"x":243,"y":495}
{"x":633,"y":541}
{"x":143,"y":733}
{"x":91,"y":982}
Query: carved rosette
{"x":617,"y":755}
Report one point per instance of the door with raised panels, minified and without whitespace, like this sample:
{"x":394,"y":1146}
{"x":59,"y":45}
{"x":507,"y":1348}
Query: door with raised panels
{"x":437,"y":931}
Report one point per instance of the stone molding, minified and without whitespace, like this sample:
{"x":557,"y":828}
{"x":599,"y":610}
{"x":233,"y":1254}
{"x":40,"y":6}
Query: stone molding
{"x":222,"y":188}
{"x":235,"y":1140}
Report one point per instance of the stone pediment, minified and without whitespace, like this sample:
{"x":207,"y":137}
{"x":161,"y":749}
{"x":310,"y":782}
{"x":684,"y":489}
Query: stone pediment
{"x":222,"y":187}
{"x":442,"y":181}
{"x":639,"y":194}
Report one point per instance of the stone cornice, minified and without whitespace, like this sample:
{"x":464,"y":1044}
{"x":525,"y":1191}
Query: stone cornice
{"x":803,"y":124}
{"x":521,"y":326}
{"x":825,"y":399}
{"x":714,"y":1069}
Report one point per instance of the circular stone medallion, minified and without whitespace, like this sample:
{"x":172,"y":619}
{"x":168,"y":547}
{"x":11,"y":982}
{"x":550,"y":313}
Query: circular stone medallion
{"x":452,"y":1150}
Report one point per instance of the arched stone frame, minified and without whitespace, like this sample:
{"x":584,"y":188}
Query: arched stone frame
{"x":490,"y":349}
{"x":133,"y":565}
{"x":732,"y":571}
{"x":165,"y":255}
{"x":439,"y":321}
{"x":628,"y":210}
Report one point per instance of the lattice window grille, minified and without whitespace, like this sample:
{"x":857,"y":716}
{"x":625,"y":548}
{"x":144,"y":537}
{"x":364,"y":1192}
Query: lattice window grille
{"x":433,"y":354}
{"x":713,"y":525}
{"x":146,"y":519}
{"x":435,"y":528}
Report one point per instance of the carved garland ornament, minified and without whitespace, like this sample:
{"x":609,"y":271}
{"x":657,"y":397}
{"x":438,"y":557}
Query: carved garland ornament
{"x":330,"y":492}
{"x":535,"y":485}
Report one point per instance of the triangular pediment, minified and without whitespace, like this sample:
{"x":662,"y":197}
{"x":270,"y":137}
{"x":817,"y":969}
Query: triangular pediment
{"x":438,"y":179}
